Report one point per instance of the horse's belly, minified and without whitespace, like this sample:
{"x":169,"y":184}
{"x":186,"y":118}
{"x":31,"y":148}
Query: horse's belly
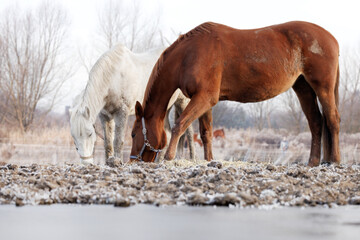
{"x":253,"y":95}
{"x":253,"y":90}
{"x":261,"y":74}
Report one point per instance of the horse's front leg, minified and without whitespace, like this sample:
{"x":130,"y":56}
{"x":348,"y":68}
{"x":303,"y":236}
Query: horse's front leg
{"x":198,"y":105}
{"x":205,"y":125}
{"x":108,"y":127}
{"x":121,"y":120}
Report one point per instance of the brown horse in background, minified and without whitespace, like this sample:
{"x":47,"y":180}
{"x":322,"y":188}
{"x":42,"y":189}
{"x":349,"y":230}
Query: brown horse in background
{"x":214,"y":62}
{"x":197,"y":140}
{"x":219,"y":133}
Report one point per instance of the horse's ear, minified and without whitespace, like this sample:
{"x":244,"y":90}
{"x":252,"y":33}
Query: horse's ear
{"x":86,"y":113}
{"x":139,"y":112}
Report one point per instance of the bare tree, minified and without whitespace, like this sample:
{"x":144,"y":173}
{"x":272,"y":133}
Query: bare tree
{"x":260,"y":113}
{"x":119,"y":23}
{"x":350,"y":92}
{"x":3,"y":97}
{"x":113,"y":19}
{"x":295,"y":119}
{"x":33,"y":65}
{"x":229,"y":115}
{"x":87,"y":57}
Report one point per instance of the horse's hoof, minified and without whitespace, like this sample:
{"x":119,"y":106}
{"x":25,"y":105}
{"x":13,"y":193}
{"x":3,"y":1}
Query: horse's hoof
{"x":195,"y":158}
{"x":168,"y":157}
{"x":314,"y":162}
{"x":113,"y":162}
{"x":326,"y":164}
{"x":87,"y":161}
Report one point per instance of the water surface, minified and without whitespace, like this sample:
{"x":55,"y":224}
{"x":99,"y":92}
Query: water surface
{"x":149,"y":222}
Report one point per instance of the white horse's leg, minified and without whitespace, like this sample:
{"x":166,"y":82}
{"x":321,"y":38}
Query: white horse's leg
{"x":121,"y":119}
{"x":168,"y":134}
{"x":108,"y":127}
{"x":181,"y":143}
{"x":180,"y":104}
{"x":191,"y":145}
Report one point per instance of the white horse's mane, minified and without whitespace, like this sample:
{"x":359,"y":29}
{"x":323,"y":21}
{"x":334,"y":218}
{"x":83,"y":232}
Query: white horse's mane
{"x":99,"y":80}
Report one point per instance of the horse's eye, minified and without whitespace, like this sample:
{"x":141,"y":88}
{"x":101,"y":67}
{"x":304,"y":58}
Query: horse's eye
{"x":132,"y":135}
{"x":90,"y":134}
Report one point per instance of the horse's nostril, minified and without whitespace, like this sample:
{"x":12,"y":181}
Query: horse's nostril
{"x":77,"y":149}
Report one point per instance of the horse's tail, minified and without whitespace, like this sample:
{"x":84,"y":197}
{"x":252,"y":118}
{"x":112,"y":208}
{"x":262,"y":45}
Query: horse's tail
{"x":336,"y":91}
{"x":326,"y":136}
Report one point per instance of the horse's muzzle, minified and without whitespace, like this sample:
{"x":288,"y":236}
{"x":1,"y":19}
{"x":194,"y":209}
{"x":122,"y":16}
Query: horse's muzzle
{"x":87,"y":160}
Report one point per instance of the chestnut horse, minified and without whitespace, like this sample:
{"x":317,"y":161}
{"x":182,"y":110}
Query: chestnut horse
{"x":219,"y":133}
{"x":197,"y":140}
{"x":214,"y":62}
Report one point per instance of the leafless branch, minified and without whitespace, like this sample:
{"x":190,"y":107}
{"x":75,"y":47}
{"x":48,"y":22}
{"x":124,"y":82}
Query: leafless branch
{"x":350,"y":91}
{"x":119,"y":23}
{"x":33,"y":65}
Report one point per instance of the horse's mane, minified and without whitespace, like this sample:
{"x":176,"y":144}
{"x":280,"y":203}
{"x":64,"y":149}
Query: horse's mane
{"x":201,"y":29}
{"x":99,"y":77}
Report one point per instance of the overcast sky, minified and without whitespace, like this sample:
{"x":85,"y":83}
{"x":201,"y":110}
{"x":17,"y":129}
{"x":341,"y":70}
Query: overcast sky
{"x":340,"y":17}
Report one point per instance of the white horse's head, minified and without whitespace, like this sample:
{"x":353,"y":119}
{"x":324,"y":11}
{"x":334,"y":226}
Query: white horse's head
{"x":83,"y":132}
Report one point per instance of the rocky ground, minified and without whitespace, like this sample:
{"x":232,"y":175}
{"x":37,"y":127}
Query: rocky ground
{"x":181,"y":182}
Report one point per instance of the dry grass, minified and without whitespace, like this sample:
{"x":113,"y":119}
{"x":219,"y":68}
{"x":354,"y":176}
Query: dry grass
{"x":54,"y":135}
{"x":39,"y":136}
{"x":55,"y":142}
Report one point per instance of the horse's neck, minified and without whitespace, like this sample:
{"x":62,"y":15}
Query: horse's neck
{"x":155,"y":106}
{"x":100,"y":80}
{"x":93,"y":98}
{"x":145,"y":63}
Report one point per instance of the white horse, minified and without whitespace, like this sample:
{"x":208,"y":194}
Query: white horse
{"x":116,"y":81}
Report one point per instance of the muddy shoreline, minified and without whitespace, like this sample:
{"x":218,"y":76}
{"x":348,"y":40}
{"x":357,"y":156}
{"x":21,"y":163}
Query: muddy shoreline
{"x":181,"y":182}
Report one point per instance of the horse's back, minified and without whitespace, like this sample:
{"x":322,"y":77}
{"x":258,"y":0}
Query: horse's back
{"x":269,"y":58}
{"x":295,"y":34}
{"x":125,"y":74}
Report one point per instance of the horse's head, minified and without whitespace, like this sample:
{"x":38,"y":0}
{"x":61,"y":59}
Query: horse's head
{"x":148,"y":138}
{"x":83,"y":132}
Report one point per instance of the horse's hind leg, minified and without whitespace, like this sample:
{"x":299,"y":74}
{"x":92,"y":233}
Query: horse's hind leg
{"x":331,"y":128}
{"x":205,"y":125}
{"x":108,"y":127}
{"x":181,"y":143}
{"x":326,"y":90}
{"x":168,"y":133}
{"x":307,"y":98}
{"x":180,"y":105}
{"x":189,"y":134}
{"x":121,"y":119}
